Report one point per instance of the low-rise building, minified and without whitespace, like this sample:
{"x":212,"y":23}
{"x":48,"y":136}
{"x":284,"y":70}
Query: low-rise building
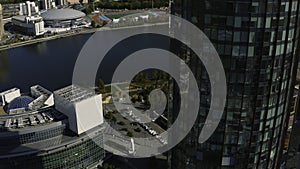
{"x":29,"y":25}
{"x":73,"y":101}
{"x":44,"y":138}
{"x":60,"y":20}
{"x":63,"y":18}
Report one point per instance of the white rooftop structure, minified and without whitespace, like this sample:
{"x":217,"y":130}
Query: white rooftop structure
{"x":38,"y":90}
{"x":43,"y":97}
{"x":17,"y":103}
{"x":9,"y":95}
{"x":62,"y":14}
{"x":82,"y":106}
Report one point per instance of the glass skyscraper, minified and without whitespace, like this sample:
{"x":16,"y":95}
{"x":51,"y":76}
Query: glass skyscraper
{"x":257,"y":42}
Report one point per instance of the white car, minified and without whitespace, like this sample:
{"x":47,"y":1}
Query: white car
{"x":158,"y":136}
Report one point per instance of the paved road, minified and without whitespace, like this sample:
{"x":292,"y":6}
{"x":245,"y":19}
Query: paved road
{"x":121,"y":145}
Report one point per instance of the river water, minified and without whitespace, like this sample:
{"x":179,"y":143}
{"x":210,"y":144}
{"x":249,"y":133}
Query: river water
{"x":51,"y":63}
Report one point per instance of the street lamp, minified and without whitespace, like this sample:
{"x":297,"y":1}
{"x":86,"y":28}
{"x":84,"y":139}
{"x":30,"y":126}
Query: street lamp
{"x":152,"y":3}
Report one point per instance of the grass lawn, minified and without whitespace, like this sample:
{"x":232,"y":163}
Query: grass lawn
{"x":123,"y":86}
{"x":118,"y":15}
{"x":107,"y":89}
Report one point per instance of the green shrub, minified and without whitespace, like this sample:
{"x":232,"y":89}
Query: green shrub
{"x":129,"y":134}
{"x":121,"y":123}
{"x":138,"y":130}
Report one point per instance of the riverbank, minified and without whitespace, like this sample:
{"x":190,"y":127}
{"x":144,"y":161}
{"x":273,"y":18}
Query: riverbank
{"x":73,"y":33}
{"x":39,"y":40}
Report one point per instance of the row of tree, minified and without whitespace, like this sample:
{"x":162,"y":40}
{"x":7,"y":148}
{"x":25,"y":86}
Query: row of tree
{"x":132,"y":4}
{"x":11,"y":1}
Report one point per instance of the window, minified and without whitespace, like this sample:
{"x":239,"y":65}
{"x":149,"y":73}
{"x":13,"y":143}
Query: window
{"x":251,"y":51}
{"x":238,"y":22}
{"x":251,"y":37}
{"x":236,"y":37}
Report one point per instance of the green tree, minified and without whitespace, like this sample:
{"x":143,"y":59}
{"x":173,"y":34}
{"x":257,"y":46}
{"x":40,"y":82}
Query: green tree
{"x":145,"y":77}
{"x":87,"y":10}
{"x":141,"y":98}
{"x":135,"y":98}
{"x":114,"y":119}
{"x":135,"y":5}
{"x":138,"y":130}
{"x":93,"y":24}
{"x":163,"y":75}
{"x":129,"y":134}
{"x":155,"y":77}
{"x":121,"y":123}
{"x":101,"y":85}
{"x":109,"y":166}
{"x":109,"y":115}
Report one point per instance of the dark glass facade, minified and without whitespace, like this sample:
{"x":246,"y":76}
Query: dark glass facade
{"x":47,"y":144}
{"x":257,"y":42}
{"x":81,"y":154}
{"x":15,"y":138}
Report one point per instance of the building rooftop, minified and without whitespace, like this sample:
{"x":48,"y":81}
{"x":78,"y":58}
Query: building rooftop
{"x":8,"y":91}
{"x":104,"y":18}
{"x":20,"y":102}
{"x":29,"y":119}
{"x":46,"y":128}
{"x":30,"y":18}
{"x":62,"y":14}
{"x":40,"y":90}
{"x":74,"y":93}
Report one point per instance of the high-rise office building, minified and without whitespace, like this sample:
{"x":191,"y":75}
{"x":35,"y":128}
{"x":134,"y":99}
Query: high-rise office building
{"x":28,"y":8}
{"x":47,"y":4}
{"x":61,"y":2}
{"x":257,"y":43}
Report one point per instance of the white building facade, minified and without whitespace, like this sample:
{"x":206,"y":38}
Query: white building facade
{"x":9,"y":95}
{"x":43,"y":97}
{"x":82,"y":107}
{"x":28,"y":8}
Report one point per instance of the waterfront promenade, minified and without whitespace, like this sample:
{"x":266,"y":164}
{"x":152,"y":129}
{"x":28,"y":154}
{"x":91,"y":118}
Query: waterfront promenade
{"x":72,"y":33}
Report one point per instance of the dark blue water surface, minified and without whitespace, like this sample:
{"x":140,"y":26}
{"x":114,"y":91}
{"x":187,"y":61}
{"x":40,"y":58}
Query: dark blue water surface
{"x":51,"y":63}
